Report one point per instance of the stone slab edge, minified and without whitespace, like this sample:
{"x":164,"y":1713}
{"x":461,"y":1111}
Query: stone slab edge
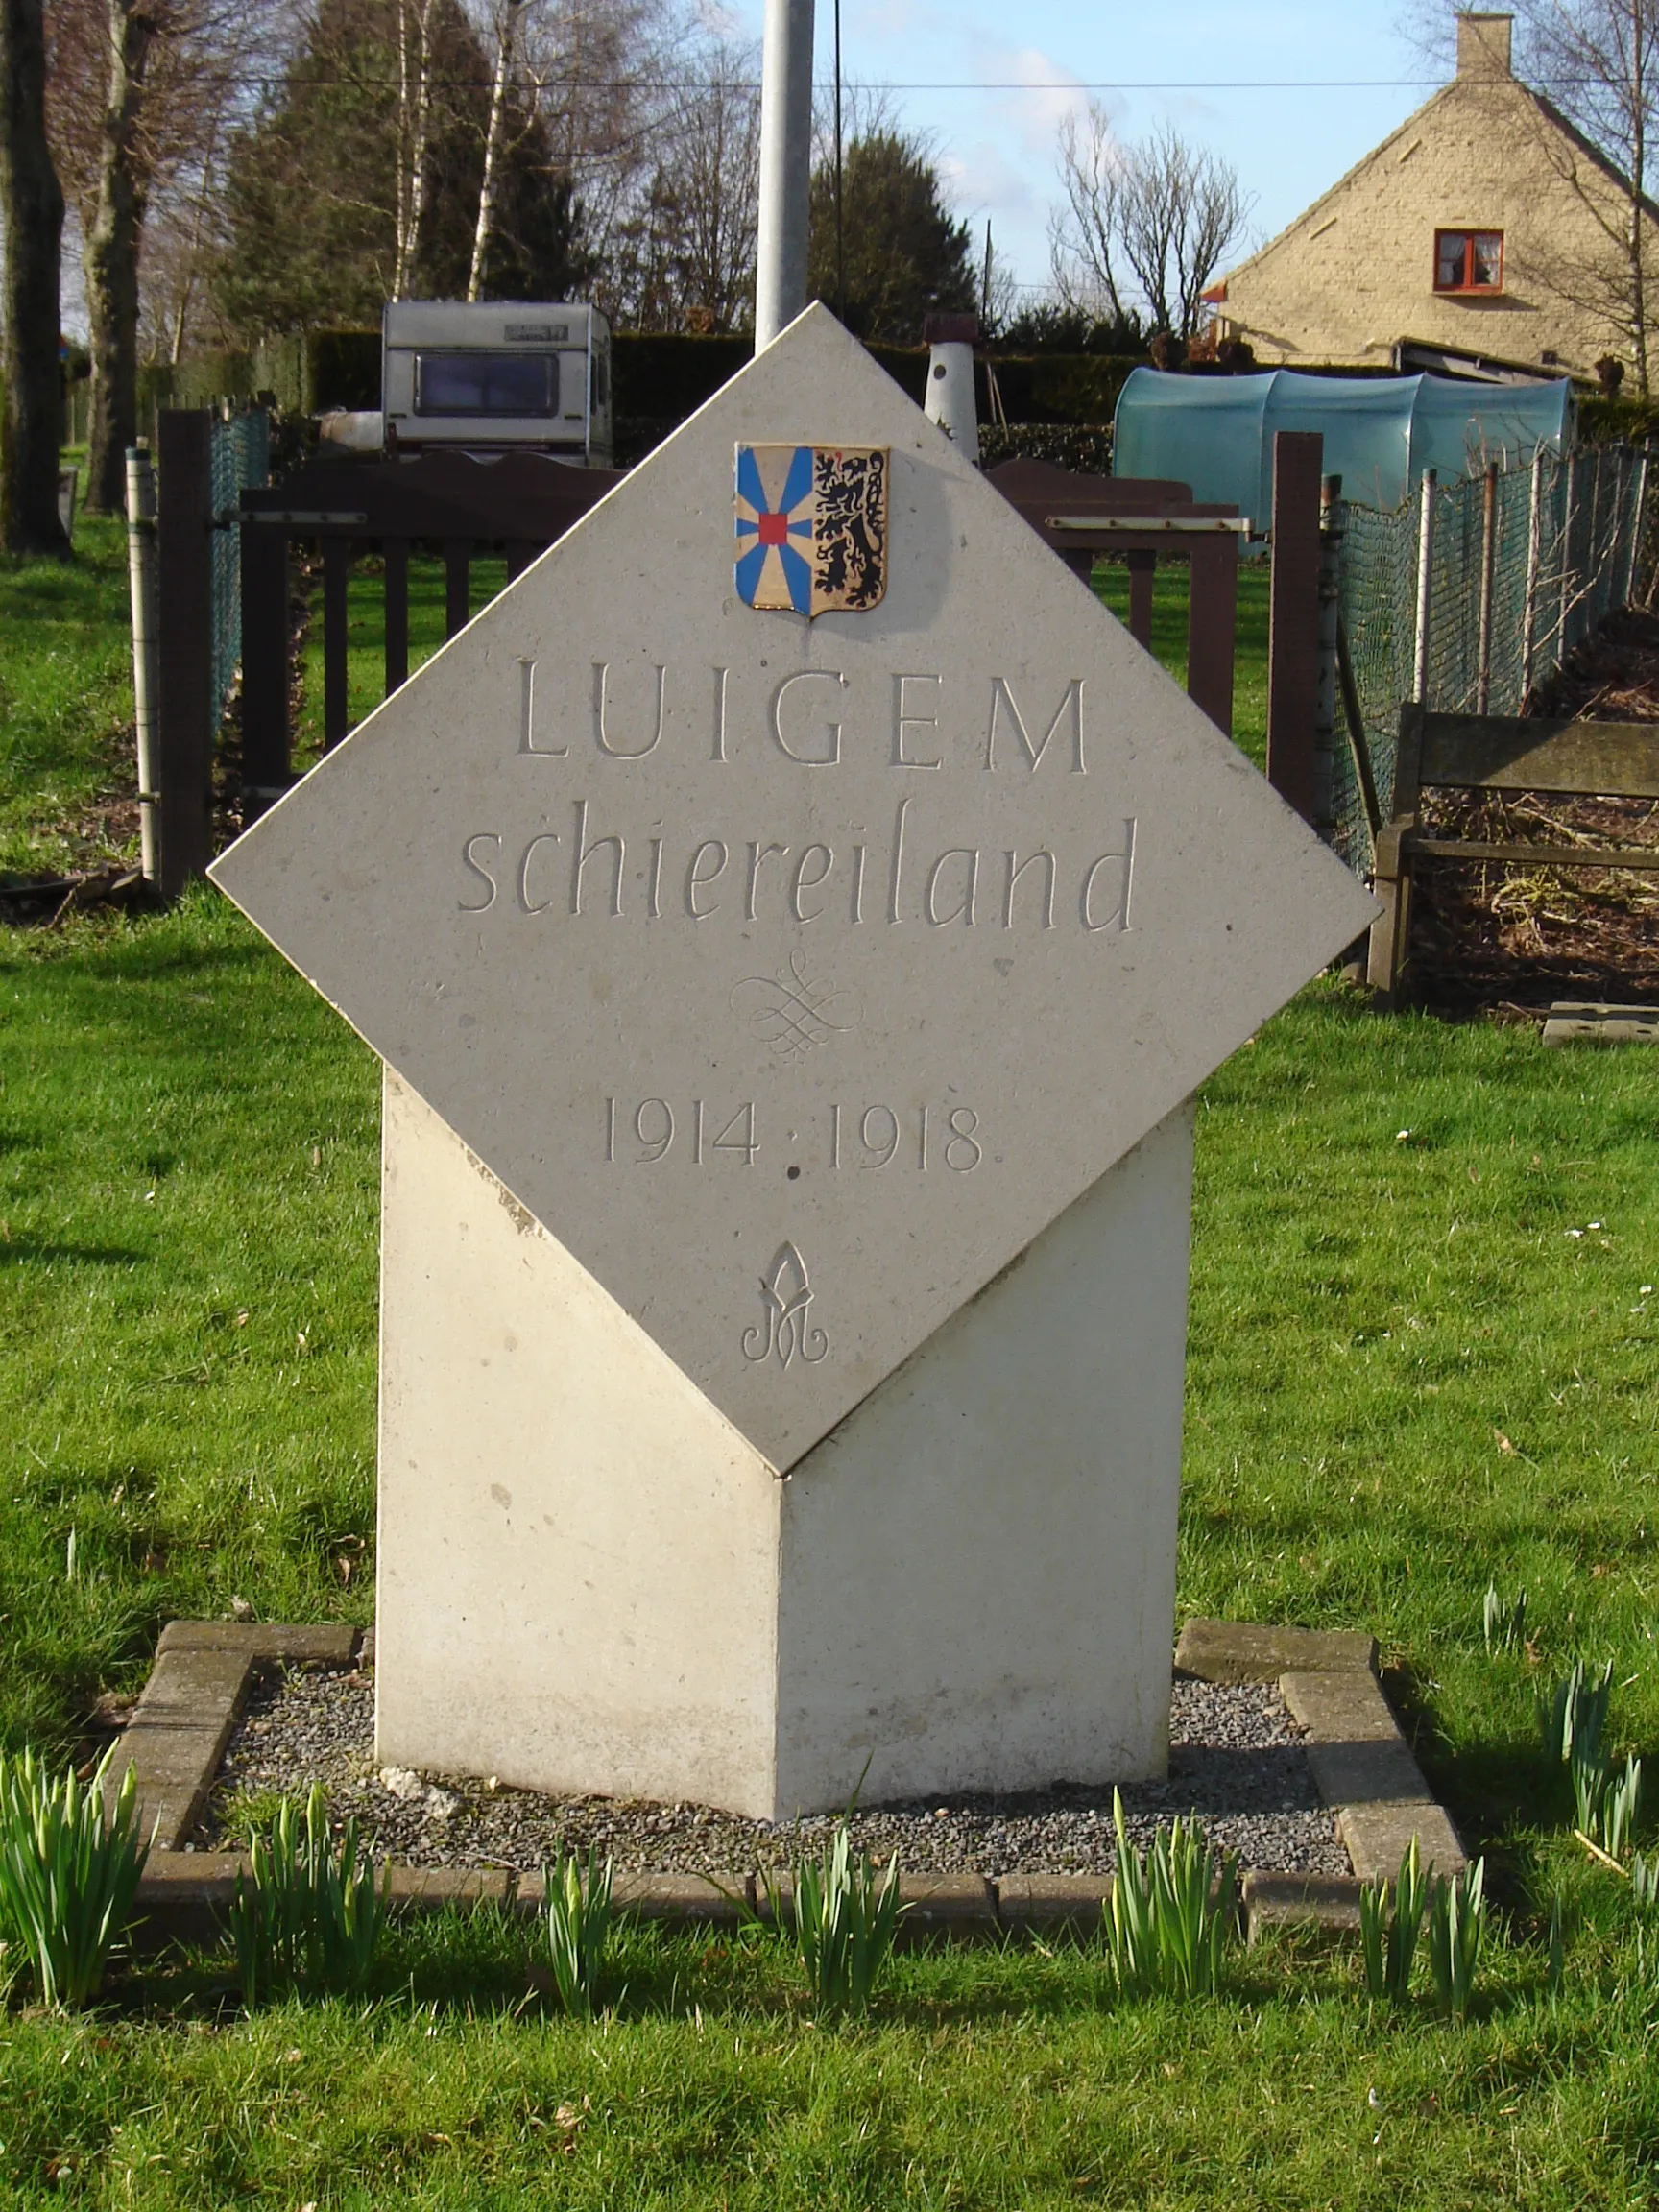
{"x":1366,"y":1772}
{"x":190,"y":1703}
{"x":1234,"y":1652}
{"x":1328,"y":1678}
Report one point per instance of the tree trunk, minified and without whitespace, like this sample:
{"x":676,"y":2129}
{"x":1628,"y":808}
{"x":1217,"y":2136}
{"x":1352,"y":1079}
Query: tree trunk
{"x":493,"y":149}
{"x":111,"y":261}
{"x":414,"y":116}
{"x":31,"y":210}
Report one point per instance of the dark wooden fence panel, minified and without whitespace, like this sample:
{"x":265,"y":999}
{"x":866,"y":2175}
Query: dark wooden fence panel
{"x":1061,"y":506}
{"x":454,"y":502}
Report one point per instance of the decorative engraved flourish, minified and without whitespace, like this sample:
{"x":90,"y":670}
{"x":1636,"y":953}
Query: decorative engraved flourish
{"x":785,"y":1295}
{"x":791,"y":1013}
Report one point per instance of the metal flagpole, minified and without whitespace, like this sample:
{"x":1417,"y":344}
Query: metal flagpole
{"x":840,"y":225}
{"x":785,"y":167}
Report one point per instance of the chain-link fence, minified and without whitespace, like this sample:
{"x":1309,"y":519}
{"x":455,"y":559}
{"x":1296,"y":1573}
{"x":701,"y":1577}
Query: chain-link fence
{"x":1524,"y":563}
{"x":240,"y":462}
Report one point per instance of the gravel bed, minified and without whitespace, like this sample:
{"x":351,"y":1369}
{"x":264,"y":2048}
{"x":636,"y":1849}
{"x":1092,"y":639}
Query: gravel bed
{"x":1235,"y":1761}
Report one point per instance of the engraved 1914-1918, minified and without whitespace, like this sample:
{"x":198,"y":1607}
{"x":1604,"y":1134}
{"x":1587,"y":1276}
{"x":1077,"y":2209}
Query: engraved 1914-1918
{"x":711,"y":1132}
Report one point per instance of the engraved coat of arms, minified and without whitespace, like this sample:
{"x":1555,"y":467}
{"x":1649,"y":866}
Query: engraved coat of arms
{"x":812,"y":528}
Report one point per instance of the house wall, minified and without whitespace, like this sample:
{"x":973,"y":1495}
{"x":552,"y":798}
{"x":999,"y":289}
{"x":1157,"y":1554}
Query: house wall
{"x":1356,"y":271}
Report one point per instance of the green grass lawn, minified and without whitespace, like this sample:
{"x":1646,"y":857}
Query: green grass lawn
{"x":65,"y":702}
{"x":1406,"y":1377}
{"x":985,"y":2080}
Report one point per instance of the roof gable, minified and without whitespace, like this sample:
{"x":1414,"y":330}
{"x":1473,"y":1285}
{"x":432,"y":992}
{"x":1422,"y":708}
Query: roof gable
{"x":1418,"y":117}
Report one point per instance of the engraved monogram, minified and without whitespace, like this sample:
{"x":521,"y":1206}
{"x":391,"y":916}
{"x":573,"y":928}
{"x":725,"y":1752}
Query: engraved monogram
{"x":791,"y":1013}
{"x":782,"y":1331}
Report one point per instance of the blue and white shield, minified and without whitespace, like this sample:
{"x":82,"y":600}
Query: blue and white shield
{"x":811,"y":527}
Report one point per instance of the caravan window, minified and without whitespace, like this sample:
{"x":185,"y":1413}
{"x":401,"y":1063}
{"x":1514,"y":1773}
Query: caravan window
{"x":487,"y":384}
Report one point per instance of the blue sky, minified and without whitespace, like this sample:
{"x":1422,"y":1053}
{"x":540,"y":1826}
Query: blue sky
{"x":997,"y":148}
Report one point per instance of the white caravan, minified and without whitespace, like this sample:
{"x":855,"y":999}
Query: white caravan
{"x":503,"y":374}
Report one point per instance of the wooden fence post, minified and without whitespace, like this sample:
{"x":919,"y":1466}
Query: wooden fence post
{"x":185,"y":562}
{"x":1293,"y":618}
{"x":266,"y":769}
{"x":1211,"y":625}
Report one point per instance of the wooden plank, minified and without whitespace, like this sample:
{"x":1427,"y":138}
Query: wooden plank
{"x":185,"y":645}
{"x":336,"y":568}
{"x":1504,"y":754}
{"x":1142,"y":571}
{"x":1408,"y":761}
{"x":445,"y":495}
{"x":1212,"y":613}
{"x":457,"y":585}
{"x":397,"y":550}
{"x":266,"y":767}
{"x":1389,"y":957}
{"x":1638,"y":859}
{"x":1110,"y":527}
{"x":1293,"y":617}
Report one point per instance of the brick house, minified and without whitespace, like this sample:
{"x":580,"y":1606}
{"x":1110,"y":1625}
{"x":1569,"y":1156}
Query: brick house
{"x":1486,"y":225}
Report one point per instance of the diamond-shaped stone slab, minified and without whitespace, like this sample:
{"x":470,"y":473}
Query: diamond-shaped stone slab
{"x":795,"y":974}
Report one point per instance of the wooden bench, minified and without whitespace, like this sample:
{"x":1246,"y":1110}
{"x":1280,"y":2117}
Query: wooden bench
{"x":1489,"y":753}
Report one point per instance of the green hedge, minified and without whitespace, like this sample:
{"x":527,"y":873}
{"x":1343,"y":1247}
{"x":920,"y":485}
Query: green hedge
{"x":1603,"y":421}
{"x":1080,"y":445}
{"x":658,"y":379}
{"x":308,"y":376}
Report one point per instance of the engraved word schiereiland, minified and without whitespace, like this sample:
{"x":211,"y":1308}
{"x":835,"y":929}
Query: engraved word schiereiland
{"x":812,"y":528}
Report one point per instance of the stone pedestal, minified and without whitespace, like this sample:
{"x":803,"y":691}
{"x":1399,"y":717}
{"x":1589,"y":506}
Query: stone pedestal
{"x":590,"y":1581}
{"x":796,"y":914}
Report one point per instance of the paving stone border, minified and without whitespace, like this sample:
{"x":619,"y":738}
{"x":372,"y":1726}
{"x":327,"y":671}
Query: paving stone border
{"x":1362,"y":1763}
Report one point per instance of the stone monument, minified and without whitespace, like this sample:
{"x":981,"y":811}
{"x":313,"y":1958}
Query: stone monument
{"x":794,"y":918}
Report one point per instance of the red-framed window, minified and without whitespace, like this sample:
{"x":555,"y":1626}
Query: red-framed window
{"x":1468,"y":260}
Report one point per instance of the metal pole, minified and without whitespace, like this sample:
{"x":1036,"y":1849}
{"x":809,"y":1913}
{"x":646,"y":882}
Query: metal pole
{"x":1331,"y":533}
{"x":146,"y":642}
{"x":785,"y":167}
{"x":1534,"y":552}
{"x":1425,"y":577}
{"x":1594,"y":589}
{"x":1569,"y":519}
{"x":1636,"y":529}
{"x":1488,"y":562}
{"x":840,"y":221}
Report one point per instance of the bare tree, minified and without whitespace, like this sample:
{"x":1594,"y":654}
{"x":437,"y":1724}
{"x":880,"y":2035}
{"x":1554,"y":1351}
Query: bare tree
{"x":1160,"y":214}
{"x":111,"y":258}
{"x":506,"y":41}
{"x":140,"y":95}
{"x":1084,"y":252}
{"x":414,"y":134}
{"x":709,"y":186}
{"x":31,"y":210}
{"x":606,"y":77}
